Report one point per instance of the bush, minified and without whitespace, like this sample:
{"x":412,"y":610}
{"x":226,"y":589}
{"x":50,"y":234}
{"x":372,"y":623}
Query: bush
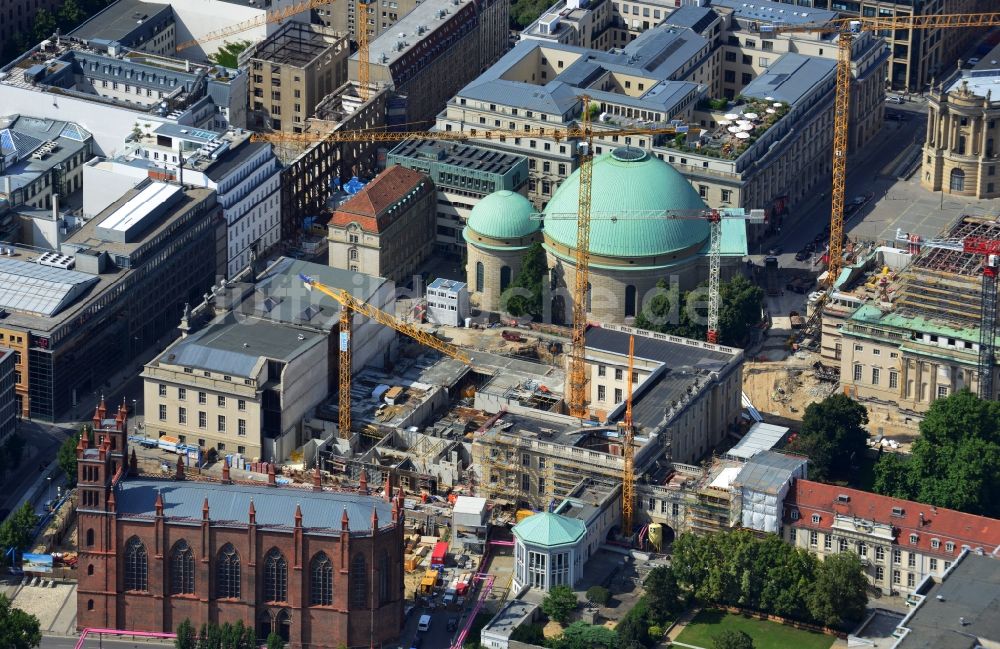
{"x":559,"y":604}
{"x":599,"y":595}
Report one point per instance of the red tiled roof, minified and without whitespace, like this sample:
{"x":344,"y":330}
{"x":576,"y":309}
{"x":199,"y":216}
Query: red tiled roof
{"x":369,"y":206}
{"x":945,"y":525}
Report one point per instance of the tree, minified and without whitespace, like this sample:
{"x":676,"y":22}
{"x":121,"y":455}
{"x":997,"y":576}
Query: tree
{"x":955,"y":462}
{"x":70,"y":14}
{"x":833,"y":436}
{"x":228,"y":55}
{"x":186,"y":637}
{"x":559,"y":604}
{"x":274,"y":641}
{"x":524,"y":297}
{"x":18,"y":630}
{"x":732,"y":639}
{"x":657,"y":314}
{"x":66,"y":455}
{"x":529,"y":634}
{"x":633,"y":629}
{"x":44,"y":25}
{"x":840,"y":592}
{"x":740,"y":304}
{"x":581,"y":635}
{"x":599,"y":595}
{"x":18,"y":530}
{"x":11,"y":452}
{"x":662,"y":594}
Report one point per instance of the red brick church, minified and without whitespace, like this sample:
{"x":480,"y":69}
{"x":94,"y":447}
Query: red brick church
{"x":322,"y":568}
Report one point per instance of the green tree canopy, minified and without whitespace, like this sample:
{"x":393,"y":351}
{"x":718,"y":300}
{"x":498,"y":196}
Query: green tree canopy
{"x":525,"y":12}
{"x":657,"y":314}
{"x":732,"y":639}
{"x":524,"y":297}
{"x":18,"y":630}
{"x":599,"y":595}
{"x":228,"y":55}
{"x":955,"y":462}
{"x":581,"y":635}
{"x":559,"y":604}
{"x":839,"y":592}
{"x":274,"y":641}
{"x":529,"y":634}
{"x":17,"y":530}
{"x":740,"y":304}
{"x":186,"y":636}
{"x":663,"y":595}
{"x":66,"y":455}
{"x":833,"y":436}
{"x":633,"y":629}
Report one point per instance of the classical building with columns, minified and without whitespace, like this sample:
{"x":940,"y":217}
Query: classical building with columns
{"x":321,"y":568}
{"x":963,"y":133}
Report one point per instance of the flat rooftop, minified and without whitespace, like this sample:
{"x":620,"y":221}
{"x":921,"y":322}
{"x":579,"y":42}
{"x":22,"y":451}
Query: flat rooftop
{"x":120,"y":19}
{"x":511,"y":616}
{"x":298,"y":44}
{"x":457,"y":154}
{"x":36,"y":145}
{"x":410,"y":30}
{"x":40,"y":290}
{"x":767,"y":471}
{"x":760,"y":437}
{"x":958,"y":611}
{"x":776,"y":13}
{"x":790,"y":78}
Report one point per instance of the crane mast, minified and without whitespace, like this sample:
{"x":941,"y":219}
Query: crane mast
{"x":581,"y":291}
{"x":628,"y":449}
{"x":364,"y":69}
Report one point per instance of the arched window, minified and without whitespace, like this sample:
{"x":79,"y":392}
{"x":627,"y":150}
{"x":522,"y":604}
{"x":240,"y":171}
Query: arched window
{"x":227,"y":573}
{"x":90,"y":605}
{"x":957,"y":180}
{"x":90,"y":569}
{"x":480,"y":276}
{"x":90,"y":537}
{"x":359,"y":581}
{"x":321,"y":581}
{"x":353,"y":253}
{"x":629,"y":301}
{"x":504,"y":278}
{"x":283,"y":625}
{"x":384,"y":572}
{"x":275,"y":576}
{"x":181,"y":569}
{"x":135,"y":565}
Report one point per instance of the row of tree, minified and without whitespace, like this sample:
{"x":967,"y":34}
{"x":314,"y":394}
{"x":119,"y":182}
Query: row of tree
{"x":226,"y":636}
{"x":65,"y":18}
{"x":18,"y":530}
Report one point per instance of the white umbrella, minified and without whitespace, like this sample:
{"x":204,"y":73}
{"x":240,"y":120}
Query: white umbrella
{"x":743,"y":122}
{"x":768,"y":98}
{"x":751,"y":115}
{"x":771,"y":111}
{"x":746,"y":127}
{"x":732,"y":116}
{"x":724,"y":122}
{"x":733,"y":129}
{"x":743,"y":135}
{"x":778,"y":104}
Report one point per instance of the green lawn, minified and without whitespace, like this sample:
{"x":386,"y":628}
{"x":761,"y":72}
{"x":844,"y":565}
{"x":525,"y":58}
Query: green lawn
{"x":766,"y":635}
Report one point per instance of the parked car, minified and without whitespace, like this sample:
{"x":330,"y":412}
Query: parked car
{"x":776,"y":250}
{"x":974,"y":60}
{"x":452,"y":623}
{"x":424,"y":624}
{"x":802,"y":255}
{"x":894,"y":99}
{"x":417,"y":642}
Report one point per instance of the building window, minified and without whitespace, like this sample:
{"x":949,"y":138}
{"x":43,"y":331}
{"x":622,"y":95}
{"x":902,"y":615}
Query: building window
{"x":949,"y":547}
{"x":857,"y":372}
{"x":221,"y":401}
{"x":135,"y":565}
{"x":913,"y":539}
{"x":875,"y":375}
{"x":935,"y":544}
{"x":90,"y":537}
{"x":182,"y":415}
{"x":480,"y":276}
{"x":879,"y":553}
{"x":619,"y":396}
{"x":227,"y":573}
{"x":815,"y":519}
{"x":957,"y":180}
{"x":933,"y":565}
{"x":727,"y":195}
{"x":827,"y":542}
{"x":862,"y":550}
{"x":222,"y":423}
{"x":910,"y":580}
{"x":618,"y":374}
{"x":897,"y":557}
{"x":321,"y":581}
{"x":241,"y":405}
{"x":911,"y":559}
{"x":202,"y":398}
{"x":947,"y":564}
{"x":505,"y":277}
{"x":842,"y":545}
{"x":241,"y":427}
{"x":602,"y":370}
{"x":895,"y":577}
{"x":893,"y":379}
{"x":181,"y":569}
{"x":942,"y":391}
{"x":359,"y":581}
{"x":275,"y":577}
{"x":602,"y":393}
{"x":163,"y":412}
{"x":879,"y":573}
{"x":182,"y":394}
{"x":813,"y":539}
{"x":163,"y":390}
{"x":353,"y":254}
{"x":202,"y":419}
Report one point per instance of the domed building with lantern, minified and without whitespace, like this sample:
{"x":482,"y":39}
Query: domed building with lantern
{"x":631,"y":248}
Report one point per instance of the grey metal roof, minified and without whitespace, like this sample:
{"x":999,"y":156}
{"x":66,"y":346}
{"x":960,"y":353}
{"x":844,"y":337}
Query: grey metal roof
{"x":767,"y":471}
{"x":692,"y":17}
{"x":771,"y":12}
{"x":961,"y":610}
{"x":760,"y":437}
{"x":21,"y":136}
{"x":664,"y":50}
{"x":235,"y":345}
{"x":674,"y":355}
{"x":412,"y":29}
{"x":43,"y":290}
{"x":510,"y":617}
{"x":274,"y":506}
{"x":791,"y":78}
{"x":123,"y":20}
{"x":233,"y":158}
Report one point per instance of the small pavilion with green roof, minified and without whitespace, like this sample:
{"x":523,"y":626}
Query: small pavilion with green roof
{"x":548,"y":551}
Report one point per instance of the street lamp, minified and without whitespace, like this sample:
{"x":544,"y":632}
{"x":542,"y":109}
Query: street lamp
{"x":49,"y":479}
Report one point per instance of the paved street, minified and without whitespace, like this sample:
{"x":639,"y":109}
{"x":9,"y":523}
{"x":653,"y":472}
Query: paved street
{"x":66,"y":642}
{"x":41,"y":443}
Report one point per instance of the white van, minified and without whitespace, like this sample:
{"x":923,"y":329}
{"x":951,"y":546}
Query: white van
{"x":424,"y":624}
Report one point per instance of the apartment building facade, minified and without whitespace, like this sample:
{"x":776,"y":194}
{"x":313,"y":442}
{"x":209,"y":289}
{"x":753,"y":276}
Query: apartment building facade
{"x":10,"y":412}
{"x":388,"y":228}
{"x":40,"y":158}
{"x":292,"y":71}
{"x":900,"y":542}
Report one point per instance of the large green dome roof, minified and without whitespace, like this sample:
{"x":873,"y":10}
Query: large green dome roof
{"x":504,"y":215}
{"x":629,"y":179}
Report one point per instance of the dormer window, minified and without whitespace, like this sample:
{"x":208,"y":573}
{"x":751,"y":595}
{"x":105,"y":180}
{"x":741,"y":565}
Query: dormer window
{"x":949,"y":547}
{"x":913,"y":539}
{"x":795,"y":514}
{"x":815,"y":519}
{"x":935,"y":544}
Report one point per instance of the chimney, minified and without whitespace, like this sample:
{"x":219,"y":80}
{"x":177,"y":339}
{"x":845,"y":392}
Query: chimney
{"x":317,"y":478}
{"x":922,"y":522}
{"x":270,"y":474}
{"x":225,"y":471}
{"x":363,"y":482}
{"x":204,"y":510}
{"x":298,"y":515}
{"x":179,"y":475}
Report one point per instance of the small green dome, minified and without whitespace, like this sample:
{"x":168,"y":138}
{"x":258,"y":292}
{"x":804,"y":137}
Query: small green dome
{"x":629,"y":179}
{"x":549,"y":530}
{"x":504,"y":215}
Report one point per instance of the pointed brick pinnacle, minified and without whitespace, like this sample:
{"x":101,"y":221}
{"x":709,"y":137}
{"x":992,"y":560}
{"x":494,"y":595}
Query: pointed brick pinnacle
{"x":317,"y":479}
{"x":225,"y":470}
{"x":298,"y":515}
{"x":253,"y":513}
{"x":344,"y":521}
{"x":363,"y":482}
{"x":204,"y":509}
{"x":374,"y":518}
{"x":159,"y":503}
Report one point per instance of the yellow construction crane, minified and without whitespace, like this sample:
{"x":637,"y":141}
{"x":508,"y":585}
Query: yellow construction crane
{"x":628,"y":448}
{"x":846,"y":29}
{"x":258,"y":21}
{"x":361,"y":31}
{"x":349,"y":305}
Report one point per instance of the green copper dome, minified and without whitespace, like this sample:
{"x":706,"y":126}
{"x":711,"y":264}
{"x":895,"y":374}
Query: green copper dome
{"x":549,"y":530}
{"x":504,"y":215}
{"x":628,"y":179}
